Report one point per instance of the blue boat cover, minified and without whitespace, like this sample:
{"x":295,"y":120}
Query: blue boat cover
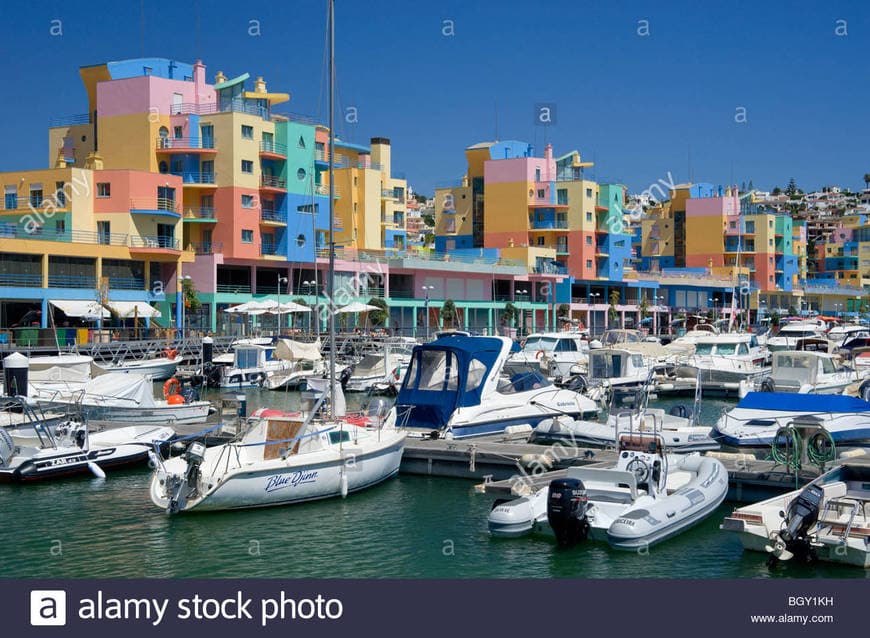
{"x":793,"y":402}
{"x":421,"y":405}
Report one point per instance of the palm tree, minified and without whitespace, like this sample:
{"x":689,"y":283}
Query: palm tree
{"x":866,"y":180}
{"x":448,"y":312}
{"x":612,"y":312}
{"x":378,"y":317}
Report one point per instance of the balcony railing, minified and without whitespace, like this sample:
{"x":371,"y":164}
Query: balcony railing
{"x":371,"y":292}
{"x":389,"y":193}
{"x":195,"y":178}
{"x":184,"y":144}
{"x":127,"y":283}
{"x":207,"y":247}
{"x":191,"y":108}
{"x":70,"y":120}
{"x":322,"y":189}
{"x":551,"y":224}
{"x":199,"y":212}
{"x":271,"y":181}
{"x":273,"y":148}
{"x":71,"y":281}
{"x":341,"y":161}
{"x":244,"y":289}
{"x":275,"y":216}
{"x":153,"y":241}
{"x":370,"y":166}
{"x":268,"y":249}
{"x":155,"y":203}
{"x":24,"y":281}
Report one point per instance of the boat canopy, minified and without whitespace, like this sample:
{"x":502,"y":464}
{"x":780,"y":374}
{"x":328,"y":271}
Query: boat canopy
{"x":814,"y":403}
{"x":446,"y":374}
{"x":291,"y":350}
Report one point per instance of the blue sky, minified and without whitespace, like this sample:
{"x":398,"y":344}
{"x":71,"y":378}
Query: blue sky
{"x":639,"y":106}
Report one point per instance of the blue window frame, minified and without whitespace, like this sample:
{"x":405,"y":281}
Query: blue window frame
{"x":247,"y":236}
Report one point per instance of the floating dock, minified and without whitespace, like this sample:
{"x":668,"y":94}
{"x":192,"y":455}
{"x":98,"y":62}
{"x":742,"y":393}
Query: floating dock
{"x":506,"y":468}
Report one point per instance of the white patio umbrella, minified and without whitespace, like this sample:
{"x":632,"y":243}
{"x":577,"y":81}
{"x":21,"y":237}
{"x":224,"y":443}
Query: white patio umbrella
{"x":356,"y":306}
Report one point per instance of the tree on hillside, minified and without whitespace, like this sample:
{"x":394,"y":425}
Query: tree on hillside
{"x":866,"y":180}
{"x":776,"y":191}
{"x":792,"y":188}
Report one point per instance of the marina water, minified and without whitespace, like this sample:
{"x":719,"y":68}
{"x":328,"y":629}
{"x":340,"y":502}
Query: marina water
{"x":410,"y":527}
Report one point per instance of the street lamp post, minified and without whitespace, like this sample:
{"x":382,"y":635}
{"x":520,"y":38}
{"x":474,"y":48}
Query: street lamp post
{"x":593,"y":297}
{"x":426,"y":290}
{"x":309,"y":287}
{"x":521,"y":293}
{"x":180,"y":301}
{"x":281,"y":280}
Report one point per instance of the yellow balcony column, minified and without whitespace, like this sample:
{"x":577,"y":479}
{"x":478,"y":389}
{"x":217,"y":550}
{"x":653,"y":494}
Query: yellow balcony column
{"x":147,"y":274}
{"x":45,"y":270}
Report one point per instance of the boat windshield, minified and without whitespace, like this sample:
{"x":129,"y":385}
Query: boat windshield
{"x":719,"y":348}
{"x":533,"y":344}
{"x":605,"y":366}
{"x":612,"y":337}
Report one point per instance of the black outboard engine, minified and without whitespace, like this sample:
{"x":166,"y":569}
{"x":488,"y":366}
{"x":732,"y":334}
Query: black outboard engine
{"x":802,"y":514}
{"x":212,"y":375}
{"x":180,"y":489}
{"x":567,"y":504}
{"x":345,"y":376}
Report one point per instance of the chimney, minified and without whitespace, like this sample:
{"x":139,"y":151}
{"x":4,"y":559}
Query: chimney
{"x":260,"y":85}
{"x":220,"y":78}
{"x":61,"y":160}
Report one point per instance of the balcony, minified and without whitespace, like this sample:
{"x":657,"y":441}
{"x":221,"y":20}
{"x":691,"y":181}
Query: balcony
{"x":321,"y":189}
{"x":126,"y":283}
{"x":272,"y":149}
{"x":153,"y":242}
{"x":191,"y":108}
{"x":185,"y":145}
{"x":271,"y":182}
{"x":550,"y":224}
{"x":237,"y":289}
{"x":199,"y":214}
{"x":70,"y":120}
{"x":371,"y":292}
{"x":269,"y":250}
{"x":71,"y":281}
{"x":155,"y":206}
{"x":206,"y":247}
{"x":196,"y":179}
{"x":341,"y":161}
{"x":273,"y":217}
{"x":19,"y":280}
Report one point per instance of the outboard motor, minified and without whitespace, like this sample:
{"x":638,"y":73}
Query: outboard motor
{"x":802,"y":514}
{"x":567,"y":504}
{"x":180,"y":488}
{"x":345,"y":376}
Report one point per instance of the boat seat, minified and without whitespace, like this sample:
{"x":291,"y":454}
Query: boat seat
{"x":837,"y":489}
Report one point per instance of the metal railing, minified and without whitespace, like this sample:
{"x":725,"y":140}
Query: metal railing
{"x":268,"y":249}
{"x":199,"y":212}
{"x":189,"y":177}
{"x":10,"y":231}
{"x":550,"y":224}
{"x":153,"y":241}
{"x":154,"y":203}
{"x":273,"y":147}
{"x":371,"y":292}
{"x":192,"y":108}
{"x":22,"y":280}
{"x":127,"y":283}
{"x":71,"y":281}
{"x":275,"y":216}
{"x":321,"y":189}
{"x":341,"y":161}
{"x":70,"y":120}
{"x":185,"y":144}
{"x":244,"y":289}
{"x":271,"y":181}
{"x":206,"y":247}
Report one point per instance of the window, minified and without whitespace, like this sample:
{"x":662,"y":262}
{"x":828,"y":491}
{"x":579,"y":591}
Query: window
{"x":104,"y":189}
{"x":247,"y":132}
{"x":588,"y":192}
{"x":732,"y":225}
{"x":59,"y":227}
{"x":589,"y":263}
{"x":179,"y":132}
{"x":60,"y":194}
{"x":247,"y":236}
{"x":104,"y":232}
{"x":750,"y":227}
{"x":541,"y":193}
{"x":588,"y":217}
{"x":770,"y":242}
{"x":36,"y":195}
{"x":588,"y":240}
{"x":354,"y":206}
{"x":354,"y":180}
{"x":11,"y":199}
{"x":562,"y":196}
{"x":537,"y":174}
{"x":247,"y":166}
{"x":247,"y":201}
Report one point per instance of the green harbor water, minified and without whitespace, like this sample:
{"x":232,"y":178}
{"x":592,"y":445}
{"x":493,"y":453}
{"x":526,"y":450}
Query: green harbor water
{"x":408,"y":527}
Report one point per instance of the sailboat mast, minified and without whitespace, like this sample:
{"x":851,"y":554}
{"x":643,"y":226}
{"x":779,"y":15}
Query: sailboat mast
{"x":331,"y":276}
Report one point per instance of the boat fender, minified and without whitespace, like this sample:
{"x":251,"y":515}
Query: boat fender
{"x":767,"y":385}
{"x":864,"y":390}
{"x":343,"y":484}
{"x":170,"y":353}
{"x":682,"y":411}
{"x":171,"y":387}
{"x":96,"y":470}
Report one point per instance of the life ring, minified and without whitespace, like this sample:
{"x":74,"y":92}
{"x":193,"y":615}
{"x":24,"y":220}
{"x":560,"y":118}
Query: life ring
{"x":170,"y":353}
{"x":170,"y":387}
{"x":540,"y":354}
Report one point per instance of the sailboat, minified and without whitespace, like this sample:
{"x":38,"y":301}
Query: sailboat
{"x":284,"y":457}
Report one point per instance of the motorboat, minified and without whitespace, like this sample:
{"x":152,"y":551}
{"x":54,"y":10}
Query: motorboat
{"x":123,"y":397}
{"x":381,"y":371}
{"x":301,"y":361}
{"x":827,"y":520}
{"x":454,"y":388}
{"x":617,"y":337}
{"x":252,"y":364}
{"x":158,"y":368}
{"x":557,"y":355}
{"x":647,"y":497}
{"x":756,"y":421}
{"x":629,"y":411}
{"x":281,"y":458}
{"x":840,"y":336}
{"x":723,"y":362}
{"x":791,"y":334}
{"x":619,"y":367}
{"x":807,"y":372}
{"x":70,"y":449}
